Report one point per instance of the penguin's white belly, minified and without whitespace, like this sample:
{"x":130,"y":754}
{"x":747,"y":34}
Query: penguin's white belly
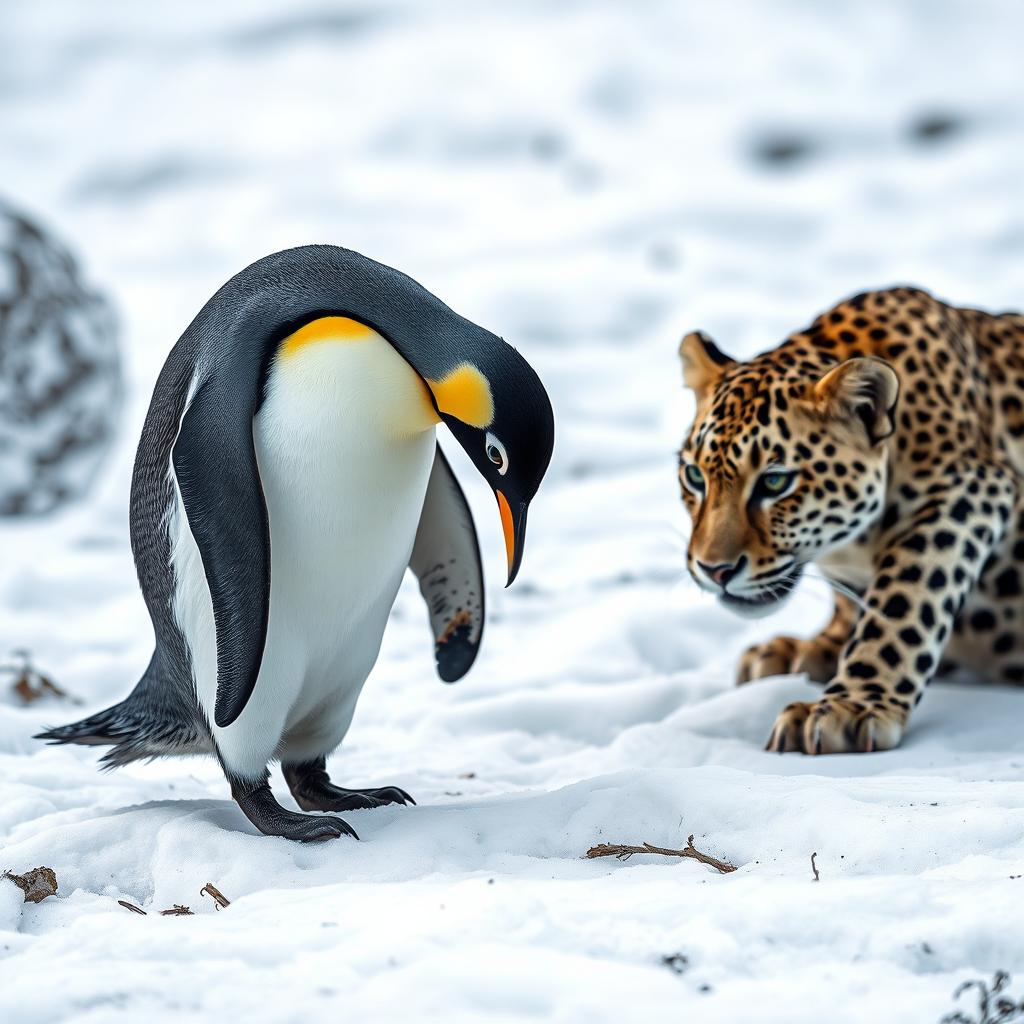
{"x":345,"y":443}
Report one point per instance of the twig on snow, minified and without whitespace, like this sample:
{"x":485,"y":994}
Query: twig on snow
{"x":177,"y":910}
{"x":624,"y":852}
{"x":218,"y":897}
{"x":814,"y":867}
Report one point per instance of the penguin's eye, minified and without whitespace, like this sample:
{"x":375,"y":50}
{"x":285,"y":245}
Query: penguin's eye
{"x":694,"y":477}
{"x":496,"y":453}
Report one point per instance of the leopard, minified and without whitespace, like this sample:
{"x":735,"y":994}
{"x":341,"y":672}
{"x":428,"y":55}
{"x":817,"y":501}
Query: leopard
{"x":883,"y":445}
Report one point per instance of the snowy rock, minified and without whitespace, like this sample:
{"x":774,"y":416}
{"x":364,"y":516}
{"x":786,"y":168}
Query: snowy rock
{"x":60,"y":373}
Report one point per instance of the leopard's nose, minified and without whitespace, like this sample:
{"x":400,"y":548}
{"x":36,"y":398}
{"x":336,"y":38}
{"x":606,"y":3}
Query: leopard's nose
{"x":720,"y":573}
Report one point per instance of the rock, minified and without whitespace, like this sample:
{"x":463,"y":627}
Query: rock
{"x":60,"y":372}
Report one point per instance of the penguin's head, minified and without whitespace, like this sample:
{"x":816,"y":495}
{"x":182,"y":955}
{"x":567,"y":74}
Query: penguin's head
{"x":498,"y":410}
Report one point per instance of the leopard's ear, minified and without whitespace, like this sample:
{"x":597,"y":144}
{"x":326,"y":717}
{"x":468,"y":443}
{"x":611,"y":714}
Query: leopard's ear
{"x":703,"y":361}
{"x":863,"y":393}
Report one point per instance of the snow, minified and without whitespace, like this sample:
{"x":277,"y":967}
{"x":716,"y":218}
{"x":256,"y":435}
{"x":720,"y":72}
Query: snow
{"x":589,"y":180}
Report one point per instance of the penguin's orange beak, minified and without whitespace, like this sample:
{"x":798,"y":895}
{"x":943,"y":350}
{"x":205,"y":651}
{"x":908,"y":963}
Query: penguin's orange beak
{"x":513,"y":525}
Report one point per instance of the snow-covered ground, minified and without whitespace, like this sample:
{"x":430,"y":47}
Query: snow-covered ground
{"x":588,"y":180}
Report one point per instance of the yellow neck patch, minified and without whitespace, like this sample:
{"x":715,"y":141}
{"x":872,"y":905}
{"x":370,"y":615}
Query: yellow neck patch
{"x":465,"y":394}
{"x":327,"y":328}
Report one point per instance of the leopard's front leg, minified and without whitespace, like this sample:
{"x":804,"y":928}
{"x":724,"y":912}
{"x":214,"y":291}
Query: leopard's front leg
{"x":924,"y":572}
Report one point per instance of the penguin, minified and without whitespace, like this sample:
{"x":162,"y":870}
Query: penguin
{"x":287,"y":474}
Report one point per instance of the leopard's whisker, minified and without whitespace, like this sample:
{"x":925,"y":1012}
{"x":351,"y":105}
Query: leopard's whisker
{"x":771,"y":575}
{"x":676,"y":534}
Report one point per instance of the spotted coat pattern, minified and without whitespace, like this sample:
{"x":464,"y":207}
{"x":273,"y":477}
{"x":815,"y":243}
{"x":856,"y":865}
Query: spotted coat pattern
{"x":885,"y":443}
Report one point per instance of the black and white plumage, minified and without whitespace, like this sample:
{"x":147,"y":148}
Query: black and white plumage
{"x":286,"y":477}
{"x":60,"y":372}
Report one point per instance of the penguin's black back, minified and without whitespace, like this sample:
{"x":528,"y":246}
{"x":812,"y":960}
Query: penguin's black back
{"x":152,"y":494}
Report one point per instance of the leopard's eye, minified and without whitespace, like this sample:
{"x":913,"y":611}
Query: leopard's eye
{"x":694,"y":477}
{"x":773,"y":483}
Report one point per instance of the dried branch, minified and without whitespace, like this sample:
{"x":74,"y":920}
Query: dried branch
{"x":622,"y":852}
{"x":218,"y":897}
{"x":177,"y":911}
{"x":814,"y":868}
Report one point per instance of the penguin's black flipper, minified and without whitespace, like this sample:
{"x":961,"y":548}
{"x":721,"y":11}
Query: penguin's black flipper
{"x":446,"y":559}
{"x":215,"y":465}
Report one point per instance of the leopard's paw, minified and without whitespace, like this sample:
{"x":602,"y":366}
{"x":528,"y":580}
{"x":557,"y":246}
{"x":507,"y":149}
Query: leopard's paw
{"x":772,"y":658}
{"x":785,"y":655}
{"x":835,"y":725}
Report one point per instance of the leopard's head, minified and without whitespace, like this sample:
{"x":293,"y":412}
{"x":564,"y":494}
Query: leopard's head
{"x":786,"y":460}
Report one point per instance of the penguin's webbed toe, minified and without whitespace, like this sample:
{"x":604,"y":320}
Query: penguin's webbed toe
{"x":272,"y":819}
{"x":364,"y":798}
{"x":333,"y":798}
{"x":391,"y":795}
{"x":313,"y":790}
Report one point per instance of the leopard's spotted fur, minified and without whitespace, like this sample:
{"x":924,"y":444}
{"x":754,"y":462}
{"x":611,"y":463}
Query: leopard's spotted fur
{"x":897,"y":422}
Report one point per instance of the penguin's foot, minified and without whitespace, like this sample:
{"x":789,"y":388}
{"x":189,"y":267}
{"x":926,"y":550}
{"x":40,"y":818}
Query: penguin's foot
{"x":313,"y":790}
{"x":260,"y":807}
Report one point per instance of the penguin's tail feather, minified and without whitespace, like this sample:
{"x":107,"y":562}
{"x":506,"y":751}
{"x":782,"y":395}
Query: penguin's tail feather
{"x":115,"y":726}
{"x":133,"y":734}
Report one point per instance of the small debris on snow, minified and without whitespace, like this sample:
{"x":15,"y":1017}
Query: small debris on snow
{"x":935,"y":126}
{"x":29,"y":685}
{"x":36,"y":884}
{"x":177,"y":910}
{"x":676,"y":962}
{"x":783,"y":149}
{"x":218,"y":897}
